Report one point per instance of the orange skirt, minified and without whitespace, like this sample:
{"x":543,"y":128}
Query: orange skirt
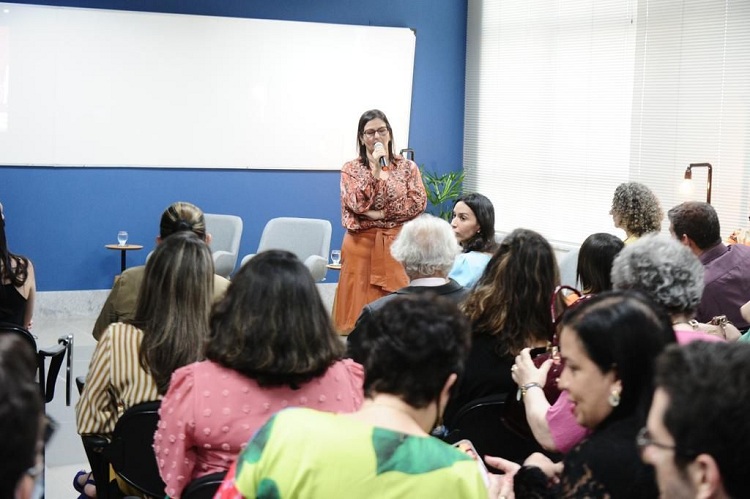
{"x":368,"y":272}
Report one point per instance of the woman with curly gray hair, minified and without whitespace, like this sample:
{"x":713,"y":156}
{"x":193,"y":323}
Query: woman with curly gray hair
{"x":671,"y":275}
{"x":636,"y":210}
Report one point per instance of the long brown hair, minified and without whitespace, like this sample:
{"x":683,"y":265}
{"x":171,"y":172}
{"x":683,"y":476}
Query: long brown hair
{"x":173,"y":305}
{"x":511,"y":299}
{"x":13,"y":268}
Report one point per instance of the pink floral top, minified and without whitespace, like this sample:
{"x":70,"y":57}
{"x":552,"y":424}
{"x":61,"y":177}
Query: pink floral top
{"x":210,"y":412}
{"x":401,"y":196}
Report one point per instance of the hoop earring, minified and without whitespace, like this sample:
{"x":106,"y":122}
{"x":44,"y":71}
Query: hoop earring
{"x":614,"y":398}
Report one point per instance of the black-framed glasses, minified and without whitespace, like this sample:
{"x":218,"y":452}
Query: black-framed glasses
{"x":382,"y":132}
{"x":644,"y":439}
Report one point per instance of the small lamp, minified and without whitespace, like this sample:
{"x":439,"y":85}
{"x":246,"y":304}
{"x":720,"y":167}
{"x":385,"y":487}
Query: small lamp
{"x":689,"y":177}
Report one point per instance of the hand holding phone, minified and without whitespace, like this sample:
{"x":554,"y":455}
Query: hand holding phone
{"x":468,"y":448}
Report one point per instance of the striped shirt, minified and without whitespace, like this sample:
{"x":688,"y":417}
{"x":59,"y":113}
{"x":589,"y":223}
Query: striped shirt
{"x":115,"y":381}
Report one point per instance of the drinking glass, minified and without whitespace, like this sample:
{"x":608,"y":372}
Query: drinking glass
{"x":122,"y":237}
{"x":336,"y":257}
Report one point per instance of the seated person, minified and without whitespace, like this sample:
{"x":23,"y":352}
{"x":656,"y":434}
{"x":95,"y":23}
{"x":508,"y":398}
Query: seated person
{"x":697,"y":432}
{"x":17,"y":284}
{"x":509,"y":310}
{"x":554,"y":431}
{"x":271,"y":345}
{"x":636,"y":210}
{"x":133,"y":362}
{"x":121,"y":302}
{"x":609,"y":344}
{"x":415,"y":345}
{"x":426,"y":248}
{"x":474,"y":226}
{"x":672,"y":277}
{"x":727,"y":268}
{"x":595,"y":258}
{"x":22,"y":422}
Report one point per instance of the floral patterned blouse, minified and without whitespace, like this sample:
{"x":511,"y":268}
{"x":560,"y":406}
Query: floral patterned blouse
{"x":401,"y":196}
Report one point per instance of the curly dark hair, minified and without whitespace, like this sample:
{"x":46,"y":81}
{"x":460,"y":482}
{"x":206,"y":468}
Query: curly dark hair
{"x":638,"y":209}
{"x":272,"y":325}
{"x":412,"y":345}
{"x":512,"y":298}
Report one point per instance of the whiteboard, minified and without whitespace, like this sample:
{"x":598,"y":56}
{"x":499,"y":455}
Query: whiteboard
{"x":88,"y":87}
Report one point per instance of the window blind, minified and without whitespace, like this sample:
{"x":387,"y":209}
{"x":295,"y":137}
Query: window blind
{"x":565,"y":101}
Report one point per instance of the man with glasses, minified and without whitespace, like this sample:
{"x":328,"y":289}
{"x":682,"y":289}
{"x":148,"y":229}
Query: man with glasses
{"x":698,"y":432}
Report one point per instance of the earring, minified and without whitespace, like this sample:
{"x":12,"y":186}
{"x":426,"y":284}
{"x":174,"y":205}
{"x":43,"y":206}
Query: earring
{"x":614,"y":398}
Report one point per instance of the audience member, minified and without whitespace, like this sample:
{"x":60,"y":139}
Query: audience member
{"x":379,"y":192}
{"x":474,"y":225}
{"x":17,"y":284}
{"x":426,"y":248}
{"x":121,"y":302}
{"x":697,"y":436}
{"x":133,"y":362}
{"x":415,"y":345}
{"x":636,"y":210}
{"x":727,"y":268}
{"x":22,"y":423}
{"x":272,"y":345}
{"x":554,"y":426}
{"x":509,"y":310}
{"x":609,"y":344}
{"x":595,"y":258}
{"x":671,"y":276}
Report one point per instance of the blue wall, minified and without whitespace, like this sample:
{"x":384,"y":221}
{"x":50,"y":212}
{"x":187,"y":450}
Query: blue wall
{"x":62,"y":217}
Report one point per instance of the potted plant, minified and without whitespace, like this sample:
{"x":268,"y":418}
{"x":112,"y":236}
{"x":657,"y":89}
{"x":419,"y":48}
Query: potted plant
{"x":442,"y":191}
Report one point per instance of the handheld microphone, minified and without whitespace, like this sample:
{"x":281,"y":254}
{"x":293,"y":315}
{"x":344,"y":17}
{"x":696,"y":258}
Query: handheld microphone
{"x":382,"y":159}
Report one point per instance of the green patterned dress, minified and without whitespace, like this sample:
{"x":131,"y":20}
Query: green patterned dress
{"x":302,"y":453}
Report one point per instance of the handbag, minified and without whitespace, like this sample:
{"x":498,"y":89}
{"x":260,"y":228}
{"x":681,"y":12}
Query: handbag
{"x":514,"y":411}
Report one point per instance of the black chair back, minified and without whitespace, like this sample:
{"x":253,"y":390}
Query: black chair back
{"x":131,"y":450}
{"x":481,"y":422}
{"x":204,"y":487}
{"x":56,"y":353}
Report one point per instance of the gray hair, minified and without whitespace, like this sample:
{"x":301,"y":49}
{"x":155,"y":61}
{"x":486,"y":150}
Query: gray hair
{"x":664,"y":269}
{"x":426,"y":247}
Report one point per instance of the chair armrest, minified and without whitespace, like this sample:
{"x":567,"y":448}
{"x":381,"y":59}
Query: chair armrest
{"x":56,"y":354}
{"x":224,"y":262}
{"x":94,"y":445}
{"x":317,"y":266}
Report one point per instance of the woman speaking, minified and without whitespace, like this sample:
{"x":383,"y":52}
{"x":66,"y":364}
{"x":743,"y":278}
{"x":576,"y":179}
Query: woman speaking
{"x":379,"y":192}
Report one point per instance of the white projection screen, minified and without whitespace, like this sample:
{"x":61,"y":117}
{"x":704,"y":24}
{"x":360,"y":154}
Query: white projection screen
{"x":88,"y":87}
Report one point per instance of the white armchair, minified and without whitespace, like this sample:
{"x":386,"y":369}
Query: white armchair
{"x":308,"y":238}
{"x":226,"y":232}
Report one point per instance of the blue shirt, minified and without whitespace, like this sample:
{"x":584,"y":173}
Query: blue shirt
{"x":468,"y":268}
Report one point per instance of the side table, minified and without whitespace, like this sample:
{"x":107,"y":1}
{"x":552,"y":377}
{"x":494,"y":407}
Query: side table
{"x":124,"y":248}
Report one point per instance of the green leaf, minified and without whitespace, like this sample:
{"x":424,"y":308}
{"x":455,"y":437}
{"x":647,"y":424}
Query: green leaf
{"x":442,"y":191}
